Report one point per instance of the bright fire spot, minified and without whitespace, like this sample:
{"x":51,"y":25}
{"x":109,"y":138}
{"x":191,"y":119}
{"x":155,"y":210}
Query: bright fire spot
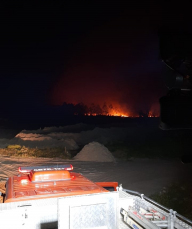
{"x":119,"y":114}
{"x":108,"y":110}
{"x":149,"y":114}
{"x":116,"y":114}
{"x":112,"y":110}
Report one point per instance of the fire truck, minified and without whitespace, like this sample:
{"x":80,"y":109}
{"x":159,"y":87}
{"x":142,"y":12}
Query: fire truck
{"x":57,"y":197}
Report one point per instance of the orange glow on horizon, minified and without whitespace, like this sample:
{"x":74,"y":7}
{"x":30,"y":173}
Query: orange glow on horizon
{"x":122,"y":115}
{"x":115,"y":115}
{"x":120,"y":111}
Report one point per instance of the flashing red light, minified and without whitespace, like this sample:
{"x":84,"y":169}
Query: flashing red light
{"x":45,"y":168}
{"x":69,"y":168}
{"x":24,"y":170}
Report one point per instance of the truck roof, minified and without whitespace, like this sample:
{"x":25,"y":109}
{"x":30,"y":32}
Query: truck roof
{"x":48,"y":184}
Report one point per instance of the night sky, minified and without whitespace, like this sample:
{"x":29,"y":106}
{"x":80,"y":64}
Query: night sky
{"x":84,"y":52}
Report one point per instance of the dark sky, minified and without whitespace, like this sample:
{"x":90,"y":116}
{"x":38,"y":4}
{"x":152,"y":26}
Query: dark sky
{"x":83,"y":52}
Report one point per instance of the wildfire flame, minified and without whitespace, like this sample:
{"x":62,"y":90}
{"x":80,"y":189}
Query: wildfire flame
{"x":116,"y":114}
{"x":118,"y":111}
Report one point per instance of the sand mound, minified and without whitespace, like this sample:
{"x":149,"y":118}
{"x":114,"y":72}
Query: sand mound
{"x":95,"y":151}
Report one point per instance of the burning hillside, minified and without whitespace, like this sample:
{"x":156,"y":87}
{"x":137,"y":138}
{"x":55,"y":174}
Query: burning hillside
{"x":101,"y":95}
{"x":106,"y":110}
{"x":116,"y":79}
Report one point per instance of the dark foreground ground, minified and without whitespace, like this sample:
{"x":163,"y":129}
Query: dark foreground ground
{"x":143,"y":136}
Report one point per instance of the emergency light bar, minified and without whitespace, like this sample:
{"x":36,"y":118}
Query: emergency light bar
{"x":45,"y":168}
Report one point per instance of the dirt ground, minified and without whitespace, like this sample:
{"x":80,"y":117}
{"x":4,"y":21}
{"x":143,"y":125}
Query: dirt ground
{"x":146,"y":176}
